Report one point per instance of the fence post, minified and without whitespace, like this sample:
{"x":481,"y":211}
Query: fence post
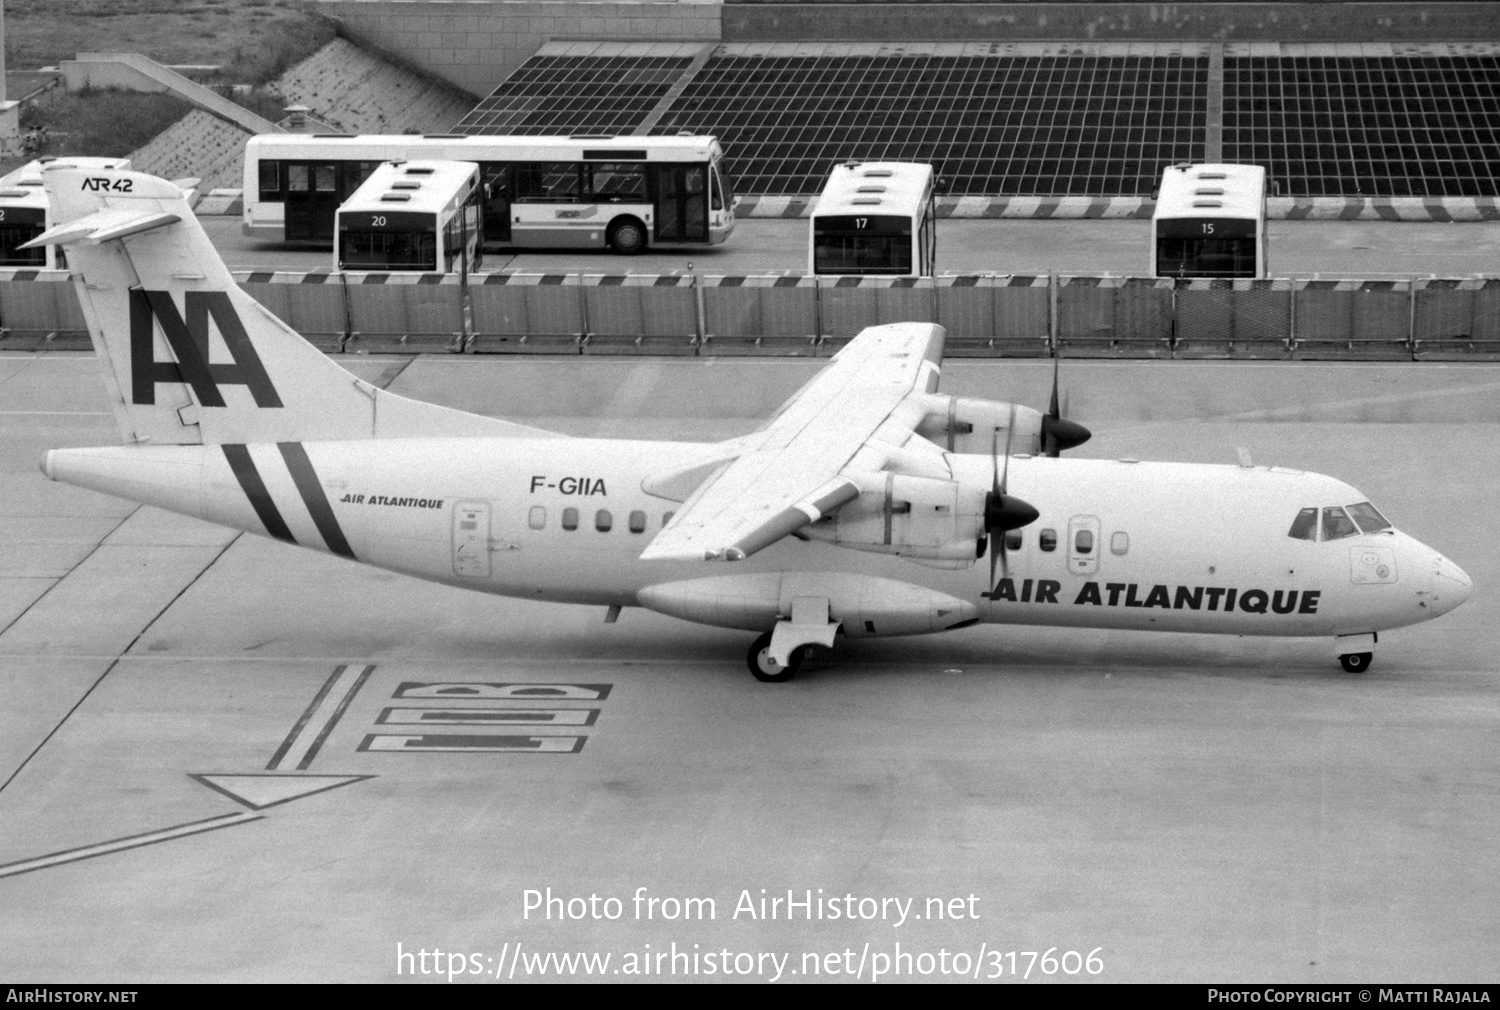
{"x":465,"y":304}
{"x":1291,"y":319}
{"x":1052,"y":321}
{"x":817,"y":313}
{"x":348,"y":315}
{"x":1411,"y":318}
{"x":583,"y":314}
{"x":702,"y":314}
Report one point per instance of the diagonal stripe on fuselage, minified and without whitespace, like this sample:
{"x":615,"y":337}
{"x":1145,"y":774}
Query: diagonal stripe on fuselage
{"x":306,"y":479}
{"x":254,"y":487}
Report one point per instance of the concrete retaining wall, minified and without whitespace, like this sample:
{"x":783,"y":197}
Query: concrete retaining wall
{"x":476,"y":44}
{"x":1110,"y":22}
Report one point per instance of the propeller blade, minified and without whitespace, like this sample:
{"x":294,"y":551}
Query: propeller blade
{"x":1058,"y":433}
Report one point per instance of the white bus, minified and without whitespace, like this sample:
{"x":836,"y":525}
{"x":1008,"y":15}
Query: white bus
{"x":25,"y":212}
{"x":1210,"y":221}
{"x":412,"y":215}
{"x":875,"y":217}
{"x":580,"y":192}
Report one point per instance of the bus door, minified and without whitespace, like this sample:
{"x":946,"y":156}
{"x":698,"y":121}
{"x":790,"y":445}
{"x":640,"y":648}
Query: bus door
{"x":497,"y":190}
{"x":682,"y":203}
{"x":312,"y":197}
{"x":314,"y":191}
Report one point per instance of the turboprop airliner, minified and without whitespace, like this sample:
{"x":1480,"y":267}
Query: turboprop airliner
{"x":869,"y":505}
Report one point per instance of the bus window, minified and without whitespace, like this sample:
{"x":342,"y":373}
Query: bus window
{"x":723,"y":192}
{"x":298,"y":178}
{"x":547,"y":181}
{"x":270,"y":181}
{"x":619,"y":183}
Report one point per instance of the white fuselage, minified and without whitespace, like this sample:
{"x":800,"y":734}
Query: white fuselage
{"x":1175,"y":547}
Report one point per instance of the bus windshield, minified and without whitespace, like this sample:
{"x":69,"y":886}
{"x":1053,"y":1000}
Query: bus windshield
{"x":1195,"y":256}
{"x":363,"y":249}
{"x":876,"y":244}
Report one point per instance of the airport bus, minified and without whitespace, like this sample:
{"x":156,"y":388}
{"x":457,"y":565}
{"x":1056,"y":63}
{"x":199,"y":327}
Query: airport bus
{"x":1210,"y":221}
{"x":412,"y":215}
{"x":875,"y":217}
{"x":624,"y":193}
{"x":25,"y":212}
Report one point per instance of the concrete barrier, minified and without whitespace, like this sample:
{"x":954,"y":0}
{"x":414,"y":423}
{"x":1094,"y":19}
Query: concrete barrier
{"x":39,"y":310}
{"x":987,"y":315}
{"x":1223,"y":318}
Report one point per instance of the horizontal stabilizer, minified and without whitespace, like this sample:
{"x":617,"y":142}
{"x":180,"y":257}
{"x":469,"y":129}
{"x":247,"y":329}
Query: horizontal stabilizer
{"x":102,"y":226}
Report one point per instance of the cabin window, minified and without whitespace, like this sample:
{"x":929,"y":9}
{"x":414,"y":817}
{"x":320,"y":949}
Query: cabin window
{"x":1305,"y":526}
{"x":1013,"y":540}
{"x":570,"y":519}
{"x":538,"y":518}
{"x":1048,"y":540}
{"x":1337,"y":524}
{"x":1083,"y":542}
{"x":603,"y":521}
{"x":637,"y":521}
{"x":1368,"y":518}
{"x":1119,"y":543}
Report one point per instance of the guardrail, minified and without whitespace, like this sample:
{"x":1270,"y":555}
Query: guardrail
{"x":987,"y":315}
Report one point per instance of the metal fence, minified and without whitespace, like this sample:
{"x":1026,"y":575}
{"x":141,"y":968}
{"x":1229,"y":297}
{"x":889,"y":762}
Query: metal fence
{"x":986,"y":315}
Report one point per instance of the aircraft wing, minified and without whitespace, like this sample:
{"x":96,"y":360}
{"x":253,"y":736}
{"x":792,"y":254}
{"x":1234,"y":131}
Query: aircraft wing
{"x":832,"y":437}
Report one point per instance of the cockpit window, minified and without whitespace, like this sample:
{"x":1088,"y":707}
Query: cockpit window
{"x":1370,"y":520}
{"x":1305,"y":526}
{"x":1337,"y":524}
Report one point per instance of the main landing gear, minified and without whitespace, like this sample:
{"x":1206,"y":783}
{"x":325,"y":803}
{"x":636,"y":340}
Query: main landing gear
{"x":767,"y":669}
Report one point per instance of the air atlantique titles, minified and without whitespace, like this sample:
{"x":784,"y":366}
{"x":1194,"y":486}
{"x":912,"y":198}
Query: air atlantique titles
{"x":381,"y":499}
{"x":765,"y":906}
{"x":1129,"y":594}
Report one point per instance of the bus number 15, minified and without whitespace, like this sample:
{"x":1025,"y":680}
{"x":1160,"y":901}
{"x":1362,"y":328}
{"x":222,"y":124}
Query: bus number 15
{"x":1208,"y":228}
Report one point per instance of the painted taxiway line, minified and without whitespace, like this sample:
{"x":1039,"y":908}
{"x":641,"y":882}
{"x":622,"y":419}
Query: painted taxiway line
{"x":128,"y":842}
{"x":327,"y":708}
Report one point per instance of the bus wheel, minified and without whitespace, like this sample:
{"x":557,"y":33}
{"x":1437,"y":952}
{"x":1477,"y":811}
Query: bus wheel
{"x":627,"y":236}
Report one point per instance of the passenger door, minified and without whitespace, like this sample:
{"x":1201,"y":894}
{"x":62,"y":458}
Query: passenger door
{"x":471,"y":539}
{"x":681,"y":203}
{"x":497,"y":191}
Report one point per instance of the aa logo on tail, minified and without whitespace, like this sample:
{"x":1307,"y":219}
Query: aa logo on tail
{"x":188,"y":339}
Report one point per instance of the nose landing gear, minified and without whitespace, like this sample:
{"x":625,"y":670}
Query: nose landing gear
{"x":1355,"y":652}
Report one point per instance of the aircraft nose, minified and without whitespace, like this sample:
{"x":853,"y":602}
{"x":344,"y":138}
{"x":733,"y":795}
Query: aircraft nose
{"x":1451,"y":585}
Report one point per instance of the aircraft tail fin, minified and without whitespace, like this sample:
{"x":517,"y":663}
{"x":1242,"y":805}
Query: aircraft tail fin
{"x":188,"y":356}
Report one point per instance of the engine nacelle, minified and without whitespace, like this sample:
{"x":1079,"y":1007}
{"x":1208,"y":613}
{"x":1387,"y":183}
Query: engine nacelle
{"x":969,"y":425}
{"x":915,"y":517}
